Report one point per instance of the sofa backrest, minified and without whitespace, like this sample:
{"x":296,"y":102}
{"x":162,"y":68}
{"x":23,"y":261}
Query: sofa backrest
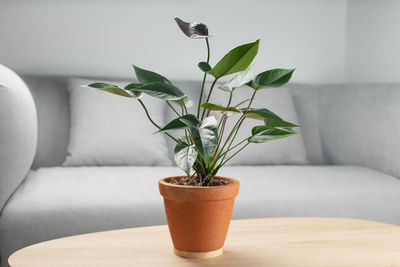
{"x":341,"y":123}
{"x":52,"y":101}
{"x":359,"y":124}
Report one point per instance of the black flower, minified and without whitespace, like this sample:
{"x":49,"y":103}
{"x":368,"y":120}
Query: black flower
{"x":193,"y":30}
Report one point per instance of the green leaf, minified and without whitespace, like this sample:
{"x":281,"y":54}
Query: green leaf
{"x":147,"y":76}
{"x":131,"y":87}
{"x":183,"y":122}
{"x":274,"y":122}
{"x":185,"y":156}
{"x":206,"y":137}
{"x":186,"y":101}
{"x":162,"y":90}
{"x":271,"y":78}
{"x":101,"y":85}
{"x":270,"y":119}
{"x":262,"y":134}
{"x":240,"y":79}
{"x":211,"y":106}
{"x":204,"y":66}
{"x":113,"y":89}
{"x":190,"y":120}
{"x":259,"y":114}
{"x":238,"y":59}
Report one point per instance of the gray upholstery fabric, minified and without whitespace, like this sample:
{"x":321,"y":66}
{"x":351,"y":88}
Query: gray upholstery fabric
{"x":305,"y":98}
{"x":359,"y":125}
{"x":56,"y":202}
{"x":18,"y":132}
{"x":52,"y":104}
{"x":110,"y":130}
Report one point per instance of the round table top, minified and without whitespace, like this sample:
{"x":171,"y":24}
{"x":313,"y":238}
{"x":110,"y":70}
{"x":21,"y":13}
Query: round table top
{"x":272,"y":242}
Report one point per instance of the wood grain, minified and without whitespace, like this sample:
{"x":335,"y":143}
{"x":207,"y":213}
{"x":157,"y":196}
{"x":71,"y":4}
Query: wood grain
{"x":277,"y":242}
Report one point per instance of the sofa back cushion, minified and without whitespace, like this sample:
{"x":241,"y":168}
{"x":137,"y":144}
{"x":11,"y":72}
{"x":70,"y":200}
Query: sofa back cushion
{"x":112,"y":130}
{"x":52,"y":104}
{"x":360,"y":125}
{"x":306,"y":101}
{"x":18,"y":132}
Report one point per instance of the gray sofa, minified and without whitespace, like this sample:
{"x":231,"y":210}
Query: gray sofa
{"x":351,"y":135}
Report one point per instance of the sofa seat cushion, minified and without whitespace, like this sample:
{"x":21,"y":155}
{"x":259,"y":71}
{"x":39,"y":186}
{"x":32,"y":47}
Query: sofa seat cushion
{"x":60,"y":201}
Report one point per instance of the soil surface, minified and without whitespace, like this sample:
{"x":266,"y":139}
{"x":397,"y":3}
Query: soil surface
{"x":196,"y":182}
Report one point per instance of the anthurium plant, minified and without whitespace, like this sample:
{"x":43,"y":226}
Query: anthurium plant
{"x":204,"y":147}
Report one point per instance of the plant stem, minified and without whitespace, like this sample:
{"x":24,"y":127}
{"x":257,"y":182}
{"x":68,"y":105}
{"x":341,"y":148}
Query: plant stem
{"x":184,"y":107}
{"x":224,"y":162}
{"x":209,"y":95}
{"x":152,"y":122}
{"x":252,"y":98}
{"x":204,"y":79}
{"x":231,"y":133}
{"x":176,"y":112}
{"x":186,"y":136}
{"x":232,"y":148}
{"x":208,"y":51}
{"x":211,"y":89}
{"x":230,"y":98}
{"x":220,"y":121}
{"x":221,"y":133}
{"x":190,"y":178}
{"x":148,"y":115}
{"x":238,"y":124}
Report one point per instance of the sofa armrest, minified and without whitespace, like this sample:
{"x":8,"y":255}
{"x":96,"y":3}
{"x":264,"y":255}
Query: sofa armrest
{"x":18,"y":132}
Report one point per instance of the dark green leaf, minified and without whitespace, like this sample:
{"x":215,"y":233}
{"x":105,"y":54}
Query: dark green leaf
{"x":271,"y":78}
{"x":162,"y":90}
{"x":274,"y":122}
{"x":185,"y":156}
{"x":181,"y":123}
{"x":204,"y":66}
{"x":206,"y":137}
{"x":101,"y":85}
{"x":270,"y":119}
{"x":238,"y":59}
{"x":190,"y":120}
{"x":147,"y":76}
{"x":262,"y":134}
{"x":113,"y":89}
{"x":211,"y":106}
{"x":131,"y":87}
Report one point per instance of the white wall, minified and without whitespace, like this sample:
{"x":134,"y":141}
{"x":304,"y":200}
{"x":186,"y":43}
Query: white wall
{"x":101,"y":38}
{"x":373,"y":41}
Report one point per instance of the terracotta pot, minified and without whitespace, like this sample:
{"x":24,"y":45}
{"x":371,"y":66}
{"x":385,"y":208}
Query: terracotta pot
{"x":198,"y":216}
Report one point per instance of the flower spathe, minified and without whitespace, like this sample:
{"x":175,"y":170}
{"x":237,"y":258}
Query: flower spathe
{"x":194,"y":30}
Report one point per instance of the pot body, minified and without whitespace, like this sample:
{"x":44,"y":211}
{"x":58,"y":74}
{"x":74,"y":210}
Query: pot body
{"x":198,"y":216}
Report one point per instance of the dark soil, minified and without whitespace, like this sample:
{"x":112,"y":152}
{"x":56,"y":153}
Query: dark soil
{"x":196,"y":182}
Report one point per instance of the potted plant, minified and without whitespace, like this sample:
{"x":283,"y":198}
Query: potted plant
{"x":199,"y":204}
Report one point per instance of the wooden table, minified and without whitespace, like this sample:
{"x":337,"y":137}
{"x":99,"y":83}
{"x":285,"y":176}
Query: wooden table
{"x":293,"y":242}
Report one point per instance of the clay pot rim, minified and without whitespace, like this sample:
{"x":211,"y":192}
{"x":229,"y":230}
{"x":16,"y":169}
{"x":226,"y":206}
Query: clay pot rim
{"x":232,"y":182}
